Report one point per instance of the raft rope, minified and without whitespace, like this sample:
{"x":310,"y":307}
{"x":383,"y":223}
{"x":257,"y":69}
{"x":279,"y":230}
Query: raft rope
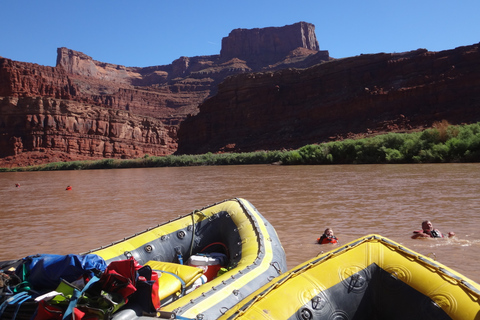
{"x":183,"y":285}
{"x":193,"y":225}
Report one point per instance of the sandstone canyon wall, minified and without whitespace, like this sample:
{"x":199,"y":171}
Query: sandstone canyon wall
{"x":83,"y":107}
{"x":44,"y":108}
{"x":342,"y":98}
{"x":262,"y":47}
{"x":269,"y":88}
{"x":41,"y":123}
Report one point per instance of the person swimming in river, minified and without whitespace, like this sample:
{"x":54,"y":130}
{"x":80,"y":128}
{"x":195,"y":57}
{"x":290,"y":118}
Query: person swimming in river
{"x":327,"y":237}
{"x":428,"y":231}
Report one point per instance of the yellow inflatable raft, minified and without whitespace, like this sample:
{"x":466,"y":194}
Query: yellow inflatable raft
{"x":252,"y":249}
{"x":370,"y":278}
{"x":206,"y":262}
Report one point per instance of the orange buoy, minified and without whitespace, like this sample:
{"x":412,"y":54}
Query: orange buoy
{"x":68,"y":188}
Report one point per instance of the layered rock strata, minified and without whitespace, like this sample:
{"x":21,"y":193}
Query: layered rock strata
{"x":41,"y":124}
{"x":265,"y":46}
{"x":83,"y":107}
{"x":348,"y":97}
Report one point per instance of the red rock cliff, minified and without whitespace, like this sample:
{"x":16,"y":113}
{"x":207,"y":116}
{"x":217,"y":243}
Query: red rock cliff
{"x":83,"y":107}
{"x":341,"y":98}
{"x":268,"y":45}
{"x":41,"y":124}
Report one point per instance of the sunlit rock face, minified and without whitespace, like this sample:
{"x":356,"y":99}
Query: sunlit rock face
{"x":41,"y":124}
{"x":83,"y":107}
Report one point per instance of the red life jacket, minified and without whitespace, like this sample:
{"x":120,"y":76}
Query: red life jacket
{"x":324,"y":239}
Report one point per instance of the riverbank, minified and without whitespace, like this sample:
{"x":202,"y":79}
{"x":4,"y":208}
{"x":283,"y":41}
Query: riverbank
{"x":443,"y":143}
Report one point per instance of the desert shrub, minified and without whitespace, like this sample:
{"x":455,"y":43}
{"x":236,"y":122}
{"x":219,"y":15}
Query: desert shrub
{"x":468,"y":132}
{"x":443,"y":143}
{"x":440,"y":153}
{"x":293,"y":157}
{"x":259,"y":157}
{"x":72,"y":165}
{"x":342,"y":151}
{"x":392,"y":155}
{"x":228,"y":159}
{"x":457,"y":148}
{"x":276,"y":156}
{"x":429,"y":137}
{"x":393,"y":140}
{"x":368,"y":150}
{"x":473,"y":154}
{"x":160,"y":161}
{"x":312,"y":154}
{"x":410,"y":147}
{"x":442,"y":128}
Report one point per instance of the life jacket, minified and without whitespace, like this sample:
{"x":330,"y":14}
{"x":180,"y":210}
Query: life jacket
{"x":435,"y":233}
{"x":324,"y":239}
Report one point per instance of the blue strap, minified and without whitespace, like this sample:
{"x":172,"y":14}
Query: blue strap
{"x":12,"y":300}
{"x":176,"y":276}
{"x":77,"y":294}
{"x":19,"y":302}
{"x":183,"y":318}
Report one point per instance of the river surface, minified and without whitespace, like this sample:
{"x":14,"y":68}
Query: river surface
{"x":104,"y":206}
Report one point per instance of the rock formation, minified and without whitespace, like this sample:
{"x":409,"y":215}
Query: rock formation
{"x":342,"y":98}
{"x":262,"y":47}
{"x":269,"y":88}
{"x":41,"y":123}
{"x":86,"y":108}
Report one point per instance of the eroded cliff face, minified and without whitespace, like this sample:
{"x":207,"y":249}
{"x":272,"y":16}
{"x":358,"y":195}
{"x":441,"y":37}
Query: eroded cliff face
{"x":349,"y":97}
{"x":41,"y":124}
{"x":45,"y":109}
{"x":86,"y":108}
{"x":266,"y":46}
{"x":28,"y":79}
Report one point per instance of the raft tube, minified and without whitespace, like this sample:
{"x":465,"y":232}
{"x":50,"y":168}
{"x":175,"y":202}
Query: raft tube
{"x":370,"y":278}
{"x":206,"y":261}
{"x":254,"y":253}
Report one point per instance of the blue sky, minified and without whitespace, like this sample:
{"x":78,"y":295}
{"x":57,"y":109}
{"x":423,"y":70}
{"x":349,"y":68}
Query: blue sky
{"x":146,"y":33}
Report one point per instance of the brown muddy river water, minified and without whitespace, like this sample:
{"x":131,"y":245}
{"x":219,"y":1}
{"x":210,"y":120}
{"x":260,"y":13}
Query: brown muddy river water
{"x":104,"y":206}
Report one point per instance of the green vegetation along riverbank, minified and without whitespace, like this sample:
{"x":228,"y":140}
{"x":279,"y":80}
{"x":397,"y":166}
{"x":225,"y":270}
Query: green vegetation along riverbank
{"x":443,"y":143}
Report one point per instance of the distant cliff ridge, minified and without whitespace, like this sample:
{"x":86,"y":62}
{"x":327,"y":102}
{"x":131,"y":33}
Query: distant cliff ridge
{"x":161,"y":95}
{"x":269,"y":88}
{"x":338,"y":99}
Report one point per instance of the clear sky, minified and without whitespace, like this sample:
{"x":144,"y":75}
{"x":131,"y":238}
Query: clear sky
{"x":144,"y":33}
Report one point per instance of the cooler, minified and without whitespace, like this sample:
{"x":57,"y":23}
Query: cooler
{"x":210,"y":263}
